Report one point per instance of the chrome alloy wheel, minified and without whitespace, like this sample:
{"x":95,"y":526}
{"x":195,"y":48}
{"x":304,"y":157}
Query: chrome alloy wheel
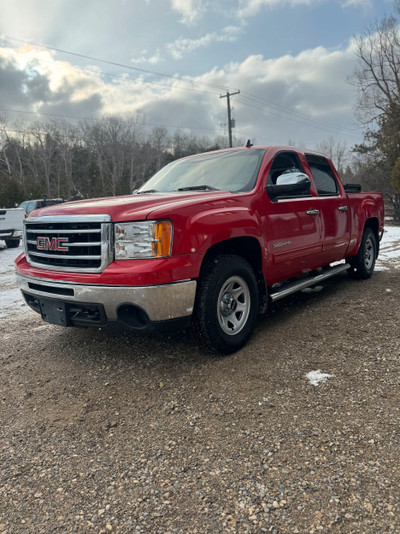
{"x":369,"y":253}
{"x":233,"y":305}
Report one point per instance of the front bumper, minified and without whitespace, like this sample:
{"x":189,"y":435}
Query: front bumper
{"x":155,"y":303}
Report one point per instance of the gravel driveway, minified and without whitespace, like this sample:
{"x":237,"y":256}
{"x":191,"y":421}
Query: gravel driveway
{"x":107,"y":431}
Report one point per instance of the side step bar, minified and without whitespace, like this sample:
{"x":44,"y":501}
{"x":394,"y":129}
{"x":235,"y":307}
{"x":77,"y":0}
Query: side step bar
{"x":293,"y":287}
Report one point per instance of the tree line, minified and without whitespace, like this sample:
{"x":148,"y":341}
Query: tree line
{"x":105,"y":157}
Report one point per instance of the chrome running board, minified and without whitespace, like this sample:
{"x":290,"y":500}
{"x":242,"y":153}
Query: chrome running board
{"x":293,"y":287}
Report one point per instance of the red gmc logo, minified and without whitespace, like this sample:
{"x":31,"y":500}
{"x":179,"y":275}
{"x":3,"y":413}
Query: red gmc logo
{"x":55,"y":243}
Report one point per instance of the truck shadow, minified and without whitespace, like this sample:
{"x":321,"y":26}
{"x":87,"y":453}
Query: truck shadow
{"x":114,"y":345}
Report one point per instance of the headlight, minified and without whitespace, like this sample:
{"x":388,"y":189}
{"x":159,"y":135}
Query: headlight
{"x":145,"y":239}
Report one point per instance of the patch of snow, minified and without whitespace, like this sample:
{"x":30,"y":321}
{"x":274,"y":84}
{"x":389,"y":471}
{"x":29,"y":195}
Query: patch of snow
{"x":316,"y":377}
{"x":390,"y":246}
{"x":11,"y":300}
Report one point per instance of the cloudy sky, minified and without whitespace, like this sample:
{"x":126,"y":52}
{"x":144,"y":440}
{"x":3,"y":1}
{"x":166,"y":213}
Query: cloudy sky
{"x":172,"y":59}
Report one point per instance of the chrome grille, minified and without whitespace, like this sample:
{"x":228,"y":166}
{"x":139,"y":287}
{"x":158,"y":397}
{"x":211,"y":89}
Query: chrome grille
{"x":69,"y":243}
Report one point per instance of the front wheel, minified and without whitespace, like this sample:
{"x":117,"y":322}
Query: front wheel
{"x":227,"y":304}
{"x":363,"y":263}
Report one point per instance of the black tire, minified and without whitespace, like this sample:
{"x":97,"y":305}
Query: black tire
{"x":227,"y":303}
{"x":363,"y":263}
{"x":12,"y":243}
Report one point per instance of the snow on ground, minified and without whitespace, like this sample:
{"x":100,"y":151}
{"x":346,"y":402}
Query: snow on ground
{"x":316,"y":378}
{"x":11,"y":300}
{"x":389,"y":255}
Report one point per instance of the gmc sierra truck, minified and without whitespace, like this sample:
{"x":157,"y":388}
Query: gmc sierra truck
{"x":208,"y":241}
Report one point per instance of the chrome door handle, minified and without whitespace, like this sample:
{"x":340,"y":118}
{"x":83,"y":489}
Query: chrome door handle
{"x":312,"y":212}
{"x":343,"y":208}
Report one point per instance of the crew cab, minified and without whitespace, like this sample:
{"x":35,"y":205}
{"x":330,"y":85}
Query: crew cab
{"x":209,"y":241}
{"x":11,"y":224}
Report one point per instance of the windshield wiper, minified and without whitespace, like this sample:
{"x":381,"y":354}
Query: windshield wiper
{"x":146,"y":191}
{"x":198,"y":188}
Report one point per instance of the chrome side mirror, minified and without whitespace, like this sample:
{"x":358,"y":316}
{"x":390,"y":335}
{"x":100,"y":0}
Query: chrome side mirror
{"x":288,"y":185}
{"x":293,"y":178}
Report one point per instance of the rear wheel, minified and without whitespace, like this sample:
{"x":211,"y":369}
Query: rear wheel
{"x":226,"y":304}
{"x":363,"y":263}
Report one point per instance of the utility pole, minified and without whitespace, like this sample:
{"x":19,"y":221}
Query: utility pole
{"x":228,"y":102}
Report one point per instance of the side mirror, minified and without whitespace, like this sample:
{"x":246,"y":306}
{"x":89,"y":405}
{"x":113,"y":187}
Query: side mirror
{"x":288,"y":184}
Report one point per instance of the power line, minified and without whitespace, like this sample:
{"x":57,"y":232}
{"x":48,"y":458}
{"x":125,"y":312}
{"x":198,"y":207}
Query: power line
{"x":290,"y":111}
{"x":253,"y":101}
{"x":108,"y":62}
{"x":331,"y":128}
{"x":245,"y":94}
{"x":98,"y":119}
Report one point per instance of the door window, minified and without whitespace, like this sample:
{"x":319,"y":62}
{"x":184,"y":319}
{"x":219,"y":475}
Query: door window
{"x":285,"y":163}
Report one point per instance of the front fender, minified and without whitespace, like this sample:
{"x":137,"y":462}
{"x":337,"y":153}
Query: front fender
{"x":205,"y":229}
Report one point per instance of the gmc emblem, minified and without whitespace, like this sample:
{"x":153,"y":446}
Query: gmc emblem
{"x":55,"y":243}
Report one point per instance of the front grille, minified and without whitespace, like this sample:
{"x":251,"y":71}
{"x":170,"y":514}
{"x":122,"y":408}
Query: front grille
{"x":69,"y":243}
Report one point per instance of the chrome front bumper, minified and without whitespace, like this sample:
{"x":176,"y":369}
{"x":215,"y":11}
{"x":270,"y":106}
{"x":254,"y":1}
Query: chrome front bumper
{"x":161,"y":302}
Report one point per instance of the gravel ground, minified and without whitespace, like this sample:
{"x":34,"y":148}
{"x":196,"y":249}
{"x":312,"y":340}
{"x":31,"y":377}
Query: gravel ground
{"x":107,"y":431}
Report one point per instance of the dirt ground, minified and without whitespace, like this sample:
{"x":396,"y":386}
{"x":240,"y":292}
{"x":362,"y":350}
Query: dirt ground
{"x":107,"y":431}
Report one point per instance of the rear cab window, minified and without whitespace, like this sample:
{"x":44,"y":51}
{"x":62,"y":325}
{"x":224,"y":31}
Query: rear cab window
{"x":322,"y":173}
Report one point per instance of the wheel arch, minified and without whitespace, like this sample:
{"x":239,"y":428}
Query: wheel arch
{"x":373,"y":223}
{"x":249,"y":249}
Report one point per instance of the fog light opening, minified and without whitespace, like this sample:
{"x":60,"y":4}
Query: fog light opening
{"x":133,"y":316}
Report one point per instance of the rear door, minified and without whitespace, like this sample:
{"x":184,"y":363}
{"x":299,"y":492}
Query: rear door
{"x":333,"y":207}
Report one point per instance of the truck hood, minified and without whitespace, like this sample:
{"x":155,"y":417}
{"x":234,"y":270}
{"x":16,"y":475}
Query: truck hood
{"x":132,"y":207}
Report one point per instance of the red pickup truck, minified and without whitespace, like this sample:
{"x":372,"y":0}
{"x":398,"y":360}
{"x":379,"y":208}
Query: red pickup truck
{"x":208,"y":240}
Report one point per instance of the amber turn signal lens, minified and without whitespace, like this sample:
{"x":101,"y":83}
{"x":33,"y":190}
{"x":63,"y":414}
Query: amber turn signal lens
{"x":162,"y":239}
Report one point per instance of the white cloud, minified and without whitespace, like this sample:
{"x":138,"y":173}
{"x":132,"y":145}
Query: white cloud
{"x":358,"y":3}
{"x":181,"y":47}
{"x":248,"y":8}
{"x":152,"y":60}
{"x":189,"y":10}
{"x":33,"y":80}
{"x":303,"y":97}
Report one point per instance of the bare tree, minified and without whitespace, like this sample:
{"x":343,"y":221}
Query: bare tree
{"x":5,"y":140}
{"x":336,"y":150}
{"x":377,"y":77}
{"x":377,"y":80}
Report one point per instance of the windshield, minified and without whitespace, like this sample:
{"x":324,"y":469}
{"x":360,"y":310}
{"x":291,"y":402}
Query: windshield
{"x":224,"y":171}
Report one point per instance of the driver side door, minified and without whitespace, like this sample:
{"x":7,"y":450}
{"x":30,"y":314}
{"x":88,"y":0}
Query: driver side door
{"x":292,"y":224}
